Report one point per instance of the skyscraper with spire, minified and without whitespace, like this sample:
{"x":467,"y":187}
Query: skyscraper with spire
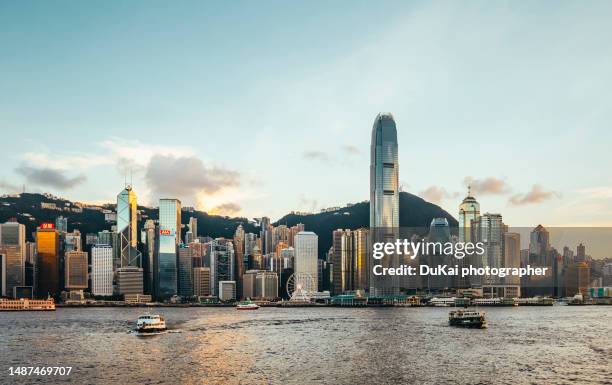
{"x":469,"y":210}
{"x":127,"y":217}
{"x":384,"y":173}
{"x":384,"y":197}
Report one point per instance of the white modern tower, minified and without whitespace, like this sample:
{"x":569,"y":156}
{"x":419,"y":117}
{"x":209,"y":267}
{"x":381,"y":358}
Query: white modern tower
{"x":306,"y":255}
{"x":102,"y":270}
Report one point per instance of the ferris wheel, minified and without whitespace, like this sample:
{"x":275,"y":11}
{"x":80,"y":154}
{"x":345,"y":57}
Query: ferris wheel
{"x":300,"y":286}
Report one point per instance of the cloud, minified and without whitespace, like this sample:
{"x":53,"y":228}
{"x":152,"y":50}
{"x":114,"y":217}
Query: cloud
{"x":536,"y":195}
{"x":351,"y":150}
{"x":317,"y":155}
{"x":436,"y":194}
{"x":7,"y":187}
{"x":227,"y":209}
{"x":49,"y":177}
{"x":307,"y":204}
{"x":487,"y":186}
{"x":133,"y":156}
{"x":186,"y":177}
{"x":66,"y":161}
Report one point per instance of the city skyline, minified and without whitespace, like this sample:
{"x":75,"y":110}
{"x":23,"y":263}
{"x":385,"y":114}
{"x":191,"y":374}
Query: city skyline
{"x":156,"y":107}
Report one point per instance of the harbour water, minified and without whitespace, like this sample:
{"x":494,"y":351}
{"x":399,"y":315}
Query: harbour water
{"x":523,"y":345}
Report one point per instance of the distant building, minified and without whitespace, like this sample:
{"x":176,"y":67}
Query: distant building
{"x":360,"y":258}
{"x":12,"y":245}
{"x":539,"y":246}
{"x":266,"y":285}
{"x":149,"y":238}
{"x":102,"y":270}
{"x":341,"y":258}
{"x":248,"y":285}
{"x":127,"y":224}
{"x":512,"y":259}
{"x":129,"y":280}
{"x":607,"y":274}
{"x":540,"y":254}
{"x":193,"y":227}
{"x":76,"y":270}
{"x":306,"y":255}
{"x":201,"y":281}
{"x":220,"y":258}
{"x":469,"y":210}
{"x":185,"y":270}
{"x":488,"y":229}
{"x":239,"y":265}
{"x":3,"y":275}
{"x":577,"y":279}
{"x":169,"y":239}
{"x":384,"y":198}
{"x":47,"y":249}
{"x":72,"y":241}
{"x":227,"y":290}
{"x":61,"y":224}
{"x":580,"y":253}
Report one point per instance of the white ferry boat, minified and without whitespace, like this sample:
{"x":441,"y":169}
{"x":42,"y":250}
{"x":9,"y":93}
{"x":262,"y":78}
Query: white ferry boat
{"x":247,"y":305}
{"x":495,"y":301}
{"x":442,"y":302}
{"x":150,"y":324}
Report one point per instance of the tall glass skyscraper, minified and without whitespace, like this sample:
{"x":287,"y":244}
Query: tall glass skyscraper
{"x":169,"y":239}
{"x":469,"y":210}
{"x":384,"y":197}
{"x":384,"y":173}
{"x":127,"y":216}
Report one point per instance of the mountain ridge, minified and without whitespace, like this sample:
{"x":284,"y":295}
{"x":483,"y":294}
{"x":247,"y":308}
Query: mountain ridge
{"x":26,"y":208}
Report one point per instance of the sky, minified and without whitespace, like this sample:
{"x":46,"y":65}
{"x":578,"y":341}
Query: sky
{"x":260,"y":108}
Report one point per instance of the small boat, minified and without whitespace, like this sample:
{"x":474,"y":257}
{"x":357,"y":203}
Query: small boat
{"x":150,"y":324}
{"x":467,"y":319}
{"x":247,"y":305}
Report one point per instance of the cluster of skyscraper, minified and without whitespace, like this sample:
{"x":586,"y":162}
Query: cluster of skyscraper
{"x":168,"y":260}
